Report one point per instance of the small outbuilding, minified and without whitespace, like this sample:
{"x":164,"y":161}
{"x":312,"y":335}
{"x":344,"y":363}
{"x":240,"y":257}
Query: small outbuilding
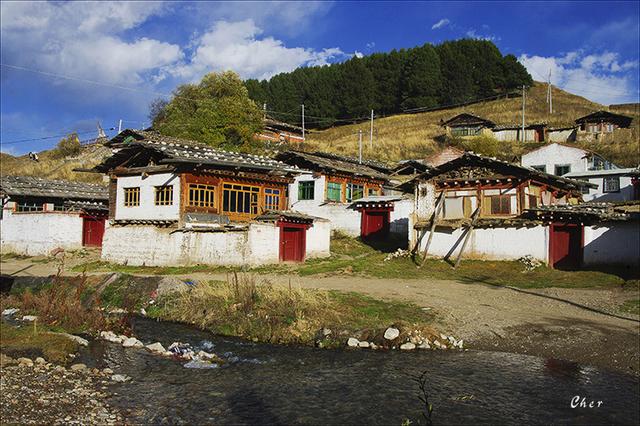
{"x":39,"y":215}
{"x":468,"y":125}
{"x":603,"y":122}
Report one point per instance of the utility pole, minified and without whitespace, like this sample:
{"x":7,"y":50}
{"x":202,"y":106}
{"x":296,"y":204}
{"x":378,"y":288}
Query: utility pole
{"x":550,"y":95}
{"x":120,"y":126}
{"x":303,"y":122}
{"x":371,"y":133}
{"x":360,"y":146}
{"x":523,"y":103}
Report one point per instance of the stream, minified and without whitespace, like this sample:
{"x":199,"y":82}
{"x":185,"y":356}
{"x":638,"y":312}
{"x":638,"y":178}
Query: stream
{"x":270,"y":384}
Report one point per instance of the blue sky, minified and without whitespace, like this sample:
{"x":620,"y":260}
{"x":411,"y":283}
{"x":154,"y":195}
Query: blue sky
{"x":118,"y":57}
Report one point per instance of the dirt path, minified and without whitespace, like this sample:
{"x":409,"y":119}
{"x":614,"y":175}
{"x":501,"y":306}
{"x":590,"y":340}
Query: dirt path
{"x":485,"y":316}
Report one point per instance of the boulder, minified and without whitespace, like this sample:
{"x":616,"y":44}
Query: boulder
{"x":407,"y":346}
{"x":107,"y":371}
{"x":120,"y":378}
{"x":79,"y":340}
{"x":424,"y":345}
{"x":391,"y":333}
{"x":364,"y":344}
{"x":6,"y":360}
{"x":110,"y":336}
{"x":10,"y":311}
{"x":30,"y":318}
{"x":78,"y":367}
{"x":156,"y":347}
{"x":25,"y":362}
{"x":169,"y":285}
{"x":40,"y":361}
{"x":352,"y":342}
{"x":132,"y":342}
{"x":326,"y":332}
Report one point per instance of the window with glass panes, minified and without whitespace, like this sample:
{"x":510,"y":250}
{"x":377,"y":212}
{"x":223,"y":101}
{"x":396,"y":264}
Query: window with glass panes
{"x":271,"y":199}
{"x":201,"y":195}
{"x":500,"y":204}
{"x":132,"y":197}
{"x":373,"y":191}
{"x":163,"y":195}
{"x":334,"y":191}
{"x":354,"y":191}
{"x":306,"y":190}
{"x":611,"y":184}
{"x":241,"y":199}
{"x":562,"y":169}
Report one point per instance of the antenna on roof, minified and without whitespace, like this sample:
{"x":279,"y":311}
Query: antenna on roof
{"x":101,"y":133}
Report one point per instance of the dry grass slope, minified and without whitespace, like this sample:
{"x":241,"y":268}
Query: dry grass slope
{"x":51,"y":166}
{"x":414,"y":135}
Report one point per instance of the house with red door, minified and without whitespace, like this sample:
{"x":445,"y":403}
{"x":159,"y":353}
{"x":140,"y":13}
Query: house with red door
{"x":178,"y":202}
{"x":483,"y":208}
{"x":328,"y":185}
{"x":39,"y":215}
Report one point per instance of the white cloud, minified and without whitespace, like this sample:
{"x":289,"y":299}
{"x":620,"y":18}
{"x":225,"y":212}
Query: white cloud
{"x":440,"y":24}
{"x":238,"y":46}
{"x":600,"y":77}
{"x":473,"y":34}
{"x":83,"y":39}
{"x":370,"y":45}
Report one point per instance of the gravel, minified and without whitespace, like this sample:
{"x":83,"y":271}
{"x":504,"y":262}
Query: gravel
{"x":48,"y":394}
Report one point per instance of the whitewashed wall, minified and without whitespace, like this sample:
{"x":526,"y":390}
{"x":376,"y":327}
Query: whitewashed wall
{"x":492,"y":244}
{"x":555,"y":154}
{"x":561,"y":135}
{"x":37,"y":233}
{"x":613,"y":243}
{"x":318,"y":239}
{"x":399,"y":218}
{"x":147,"y":208}
{"x":152,"y":246}
{"x":597,"y":194}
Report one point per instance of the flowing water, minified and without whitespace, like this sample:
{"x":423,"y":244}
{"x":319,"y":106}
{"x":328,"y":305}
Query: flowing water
{"x":269,"y":384}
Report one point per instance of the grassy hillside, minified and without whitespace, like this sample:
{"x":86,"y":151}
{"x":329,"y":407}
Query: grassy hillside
{"x":51,"y":166}
{"x":414,"y":135}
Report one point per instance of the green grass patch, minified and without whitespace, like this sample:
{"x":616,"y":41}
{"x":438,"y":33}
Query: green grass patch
{"x":631,"y":306}
{"x":100,"y":266}
{"x":23,"y":341}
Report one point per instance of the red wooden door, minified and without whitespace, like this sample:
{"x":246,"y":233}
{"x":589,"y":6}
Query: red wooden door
{"x":92,"y":231}
{"x":292,"y":242}
{"x":565,"y":246}
{"x":375,"y":224}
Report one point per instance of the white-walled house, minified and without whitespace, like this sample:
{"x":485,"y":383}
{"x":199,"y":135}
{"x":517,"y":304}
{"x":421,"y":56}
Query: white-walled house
{"x":328,"y":184}
{"x":612,"y":183}
{"x":40,"y":215}
{"x":177,"y":202}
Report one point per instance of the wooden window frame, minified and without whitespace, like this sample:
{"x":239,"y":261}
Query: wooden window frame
{"x":349,"y":191}
{"x":329,"y":183}
{"x":201,"y":196}
{"x":254,"y":206}
{"x":276,"y":197}
{"x":163,"y":195}
{"x":131,"y":196}
{"x":303,"y":192}
{"x":500,"y":197}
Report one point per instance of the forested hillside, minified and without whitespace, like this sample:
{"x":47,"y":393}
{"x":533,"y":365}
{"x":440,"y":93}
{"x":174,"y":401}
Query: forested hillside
{"x":427,"y":76}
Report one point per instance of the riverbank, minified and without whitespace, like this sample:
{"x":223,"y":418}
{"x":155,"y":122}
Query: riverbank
{"x":38,"y":392}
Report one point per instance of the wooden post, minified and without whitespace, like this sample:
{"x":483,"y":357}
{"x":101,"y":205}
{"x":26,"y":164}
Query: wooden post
{"x":466,"y":237}
{"x":439,"y":204}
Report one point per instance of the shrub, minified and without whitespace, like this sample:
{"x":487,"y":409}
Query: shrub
{"x":68,"y":147}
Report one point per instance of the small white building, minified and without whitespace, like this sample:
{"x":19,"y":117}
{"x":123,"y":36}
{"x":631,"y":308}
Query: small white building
{"x":612,"y":183}
{"x":178,"y":202}
{"x":40,"y":215}
{"x":329,"y":183}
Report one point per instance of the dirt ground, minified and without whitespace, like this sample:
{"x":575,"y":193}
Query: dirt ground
{"x":541,"y":322}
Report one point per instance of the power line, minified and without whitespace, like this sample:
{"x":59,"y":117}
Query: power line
{"x":48,"y":137}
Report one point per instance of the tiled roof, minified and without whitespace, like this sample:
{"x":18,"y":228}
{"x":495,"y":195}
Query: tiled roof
{"x":175,"y":150}
{"x":330,"y":163}
{"x":38,"y":187}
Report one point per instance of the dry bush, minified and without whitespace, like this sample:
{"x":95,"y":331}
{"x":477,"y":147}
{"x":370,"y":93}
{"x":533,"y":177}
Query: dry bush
{"x":241,"y":307}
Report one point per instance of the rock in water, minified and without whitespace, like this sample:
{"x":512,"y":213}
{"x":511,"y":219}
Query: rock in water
{"x":120,"y":378}
{"x":391,"y":333}
{"x":110,"y":336}
{"x":132,"y":342}
{"x":40,"y":361}
{"x":407,"y":346}
{"x":156,"y":347}
{"x":363,"y":344}
{"x":352,"y":342}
